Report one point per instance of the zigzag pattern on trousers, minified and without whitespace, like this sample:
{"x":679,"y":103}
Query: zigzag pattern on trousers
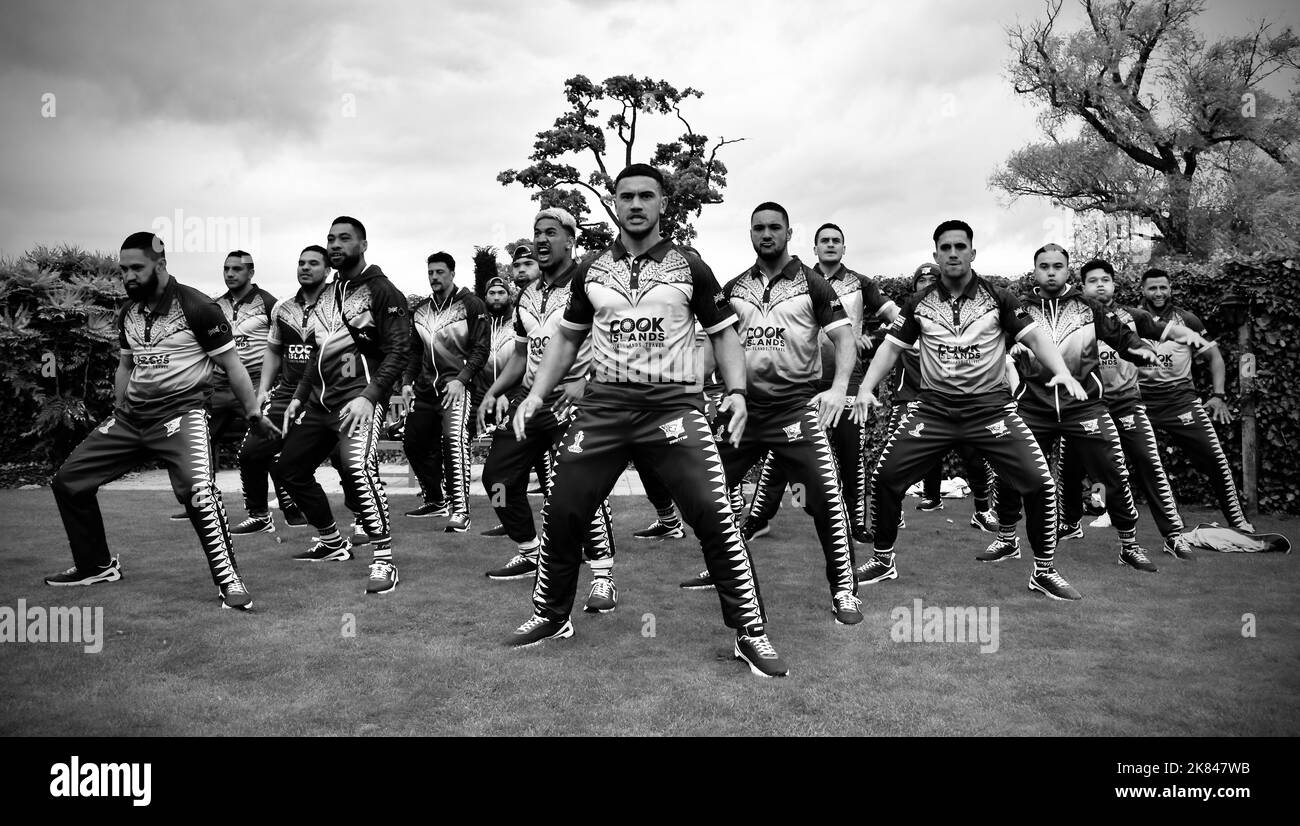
{"x":361,"y":463}
{"x":455,"y":449}
{"x":1045,"y":546}
{"x":1111,"y":432}
{"x":211,"y":524}
{"x":1223,"y":483}
{"x":899,"y":416}
{"x":734,"y":548}
{"x":841,"y":551}
{"x":1165,"y":506}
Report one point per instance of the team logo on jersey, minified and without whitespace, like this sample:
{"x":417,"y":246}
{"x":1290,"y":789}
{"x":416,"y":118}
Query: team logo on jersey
{"x":537,"y":346}
{"x":1128,"y":422}
{"x":220,"y":328}
{"x":152,"y":359}
{"x":1187,"y":418}
{"x":998,"y":429}
{"x":576,"y":447}
{"x":919,"y":427}
{"x":770,"y":338}
{"x":674,"y":431}
{"x":298,"y":352}
{"x":637,"y":330}
{"x":173,"y":426}
{"x":957,"y":352}
{"x":103,"y":428}
{"x":1091,"y":426}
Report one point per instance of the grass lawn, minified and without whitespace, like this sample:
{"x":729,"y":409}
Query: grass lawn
{"x":1142,"y":654}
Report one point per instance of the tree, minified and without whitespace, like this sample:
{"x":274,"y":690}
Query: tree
{"x":1164,"y":118}
{"x":694,"y":177}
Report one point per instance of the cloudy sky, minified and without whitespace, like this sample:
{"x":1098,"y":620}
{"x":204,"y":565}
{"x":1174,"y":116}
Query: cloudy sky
{"x":265,"y":120}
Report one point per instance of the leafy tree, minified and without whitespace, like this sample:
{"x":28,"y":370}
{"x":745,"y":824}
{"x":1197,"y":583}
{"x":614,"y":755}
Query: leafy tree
{"x":1166,"y":120}
{"x":694,"y":175}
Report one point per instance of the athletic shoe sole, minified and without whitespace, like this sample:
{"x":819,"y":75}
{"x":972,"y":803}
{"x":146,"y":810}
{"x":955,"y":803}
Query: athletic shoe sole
{"x":341,"y":555}
{"x":270,"y":528}
{"x":564,"y":633}
{"x":111,"y":575}
{"x":892,"y":573}
{"x":1034,"y":586}
{"x":226,"y":607}
{"x":674,"y":534}
{"x":1122,"y":561}
{"x":701,"y":587}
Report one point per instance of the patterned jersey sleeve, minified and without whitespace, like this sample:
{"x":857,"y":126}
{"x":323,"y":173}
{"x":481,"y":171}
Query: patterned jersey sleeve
{"x":211,"y":327}
{"x":712,"y":309}
{"x":580,"y":313}
{"x":124,"y":346}
{"x":905,"y":329}
{"x":827,"y":308}
{"x":1015,"y":320}
{"x":873,"y":301}
{"x":521,"y":334}
{"x":274,"y":342}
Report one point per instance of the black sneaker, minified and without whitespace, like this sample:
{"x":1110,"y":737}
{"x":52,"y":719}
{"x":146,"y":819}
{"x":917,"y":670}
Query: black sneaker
{"x":293,"y":518}
{"x":700,"y":581}
{"x":235,"y":595}
{"x":986,"y":521}
{"x":863,"y":535}
{"x":458,"y":523}
{"x":875,"y":569}
{"x":1134,"y":557}
{"x":383,"y":577}
{"x":254,"y":524}
{"x":1048,"y":581}
{"x":1067,"y":531}
{"x":928,"y":504}
{"x":180,"y":517}
{"x":538,"y":630}
{"x":603,"y":597}
{"x":756,"y":649}
{"x":1178,"y":546}
{"x":111,"y":572}
{"x":1000,"y":549}
{"x":320,"y":552}
{"x":847,"y":609}
{"x":499,"y":530}
{"x":430,"y":509}
{"x":518,"y":567}
{"x":658,"y":530}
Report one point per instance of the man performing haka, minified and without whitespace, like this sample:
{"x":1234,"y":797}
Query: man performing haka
{"x":859,"y":296}
{"x":1171,"y":400}
{"x":449,"y":344}
{"x":782,"y":305}
{"x":359,"y":333}
{"x":248,"y":310}
{"x":1076,"y":325}
{"x":170,"y":337}
{"x":962,"y":323}
{"x":1124,"y":401}
{"x":505,"y":474}
{"x":638,"y":302}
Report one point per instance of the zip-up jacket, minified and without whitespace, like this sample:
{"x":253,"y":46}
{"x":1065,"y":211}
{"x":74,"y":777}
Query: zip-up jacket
{"x":448,"y":341}
{"x":1075,"y":324}
{"x":361,"y":337}
{"x":501,"y":343}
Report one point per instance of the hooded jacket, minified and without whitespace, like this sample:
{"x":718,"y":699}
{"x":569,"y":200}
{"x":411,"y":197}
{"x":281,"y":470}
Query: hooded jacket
{"x":447,"y":342}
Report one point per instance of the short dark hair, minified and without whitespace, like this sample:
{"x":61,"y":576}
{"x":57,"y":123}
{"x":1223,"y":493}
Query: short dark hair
{"x":1155,"y":272}
{"x":827,"y":225}
{"x":1052,"y":248}
{"x":325,"y":256}
{"x":442,"y":258}
{"x":641,"y":170}
{"x":148,"y":243}
{"x":240,"y":254}
{"x":353,"y":222}
{"x":772,"y":206}
{"x":1097,"y":264}
{"x":953,"y":224}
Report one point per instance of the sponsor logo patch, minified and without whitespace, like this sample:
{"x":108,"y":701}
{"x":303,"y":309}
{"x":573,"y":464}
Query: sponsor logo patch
{"x":793,"y":431}
{"x":576,"y":447}
{"x":173,"y":426}
{"x":917,"y":431}
{"x":674,"y":431}
{"x":998,"y":429}
{"x":1187,"y":418}
{"x":1128,"y":422}
{"x":1091,"y":426}
{"x":103,"y":428}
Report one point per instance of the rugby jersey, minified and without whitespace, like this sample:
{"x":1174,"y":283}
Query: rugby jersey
{"x":171,"y":352}
{"x":448,"y":341}
{"x":1119,"y":377}
{"x":287,"y":338}
{"x":360,"y":335}
{"x":641,"y":311}
{"x":861,"y":300}
{"x":1075,"y":324}
{"x":779,"y":324}
{"x":1169,"y":382}
{"x":538,"y":313}
{"x":963,"y":340}
{"x":250,"y":325}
